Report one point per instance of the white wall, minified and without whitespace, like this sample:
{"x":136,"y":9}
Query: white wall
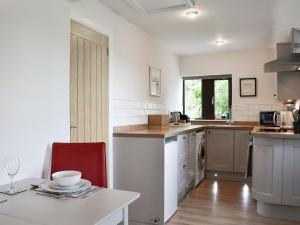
{"x":34,"y":81}
{"x":286,"y":16}
{"x":240,"y":64}
{"x":132,"y":52}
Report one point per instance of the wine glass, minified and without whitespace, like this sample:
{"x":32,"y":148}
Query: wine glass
{"x":12,"y":166}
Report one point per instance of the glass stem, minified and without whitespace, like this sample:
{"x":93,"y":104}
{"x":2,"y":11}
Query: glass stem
{"x":11,"y":188}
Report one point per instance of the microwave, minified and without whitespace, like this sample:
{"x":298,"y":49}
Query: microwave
{"x":267,"y":118}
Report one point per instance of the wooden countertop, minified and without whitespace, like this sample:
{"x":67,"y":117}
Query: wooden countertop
{"x":173,"y":131}
{"x":287,"y":134}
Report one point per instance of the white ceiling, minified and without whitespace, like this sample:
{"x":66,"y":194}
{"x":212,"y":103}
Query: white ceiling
{"x":243,"y":24}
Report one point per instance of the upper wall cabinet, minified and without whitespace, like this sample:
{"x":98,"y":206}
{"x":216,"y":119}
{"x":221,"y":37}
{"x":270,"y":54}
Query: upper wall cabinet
{"x":287,"y":82}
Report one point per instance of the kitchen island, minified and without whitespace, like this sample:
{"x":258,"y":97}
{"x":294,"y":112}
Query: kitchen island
{"x":276,"y":169}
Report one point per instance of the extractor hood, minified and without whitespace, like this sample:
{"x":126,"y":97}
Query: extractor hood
{"x":290,"y":63}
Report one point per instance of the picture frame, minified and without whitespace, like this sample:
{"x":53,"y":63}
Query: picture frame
{"x":154,"y":81}
{"x":248,"y":87}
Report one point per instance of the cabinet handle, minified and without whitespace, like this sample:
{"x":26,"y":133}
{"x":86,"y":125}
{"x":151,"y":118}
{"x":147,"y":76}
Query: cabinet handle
{"x":183,"y":137}
{"x":184,"y":166}
{"x":208,"y":132}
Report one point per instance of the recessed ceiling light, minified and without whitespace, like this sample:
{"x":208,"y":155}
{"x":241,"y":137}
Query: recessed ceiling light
{"x":220,"y":42}
{"x":192,"y":13}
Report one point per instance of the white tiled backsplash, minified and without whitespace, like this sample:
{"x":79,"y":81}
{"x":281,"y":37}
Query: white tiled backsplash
{"x":128,"y":112}
{"x":251,"y":112}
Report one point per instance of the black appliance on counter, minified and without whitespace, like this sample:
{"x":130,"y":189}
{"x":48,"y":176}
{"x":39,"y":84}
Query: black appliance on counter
{"x":267,"y":118}
{"x":185,"y":118}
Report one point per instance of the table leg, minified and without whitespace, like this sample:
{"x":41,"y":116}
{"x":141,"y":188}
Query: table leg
{"x":125,"y":215}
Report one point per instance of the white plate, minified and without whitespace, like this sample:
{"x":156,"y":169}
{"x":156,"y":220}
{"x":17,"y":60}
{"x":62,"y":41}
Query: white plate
{"x":47,"y":187}
{"x":56,"y":186}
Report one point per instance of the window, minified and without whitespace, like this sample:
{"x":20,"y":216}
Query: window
{"x":207,"y":97}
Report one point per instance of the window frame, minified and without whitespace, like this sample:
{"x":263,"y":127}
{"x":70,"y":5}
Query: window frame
{"x":212,"y":78}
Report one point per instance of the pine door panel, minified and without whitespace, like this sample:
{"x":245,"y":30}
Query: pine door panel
{"x":93,"y":91}
{"x":88,"y":85}
{"x":87,"y":91}
{"x":73,"y":89}
{"x":80,"y":91}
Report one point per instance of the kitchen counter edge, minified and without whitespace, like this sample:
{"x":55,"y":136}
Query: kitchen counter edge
{"x":285,"y":135}
{"x":174,"y":131}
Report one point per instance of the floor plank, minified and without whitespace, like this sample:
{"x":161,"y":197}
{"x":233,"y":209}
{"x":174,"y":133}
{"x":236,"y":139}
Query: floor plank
{"x":221,"y":203}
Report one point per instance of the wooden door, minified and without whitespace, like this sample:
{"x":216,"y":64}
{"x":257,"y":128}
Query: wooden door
{"x":220,"y":144}
{"x":241,"y":142}
{"x":291,"y":168}
{"x":267,"y":169}
{"x":88,"y":85}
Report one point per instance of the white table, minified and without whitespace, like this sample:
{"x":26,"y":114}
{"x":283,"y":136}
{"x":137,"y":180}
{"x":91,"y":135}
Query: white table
{"x":105,"y":207}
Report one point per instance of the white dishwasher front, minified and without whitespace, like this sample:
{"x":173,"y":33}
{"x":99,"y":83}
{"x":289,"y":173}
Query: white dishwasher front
{"x":170,"y":181}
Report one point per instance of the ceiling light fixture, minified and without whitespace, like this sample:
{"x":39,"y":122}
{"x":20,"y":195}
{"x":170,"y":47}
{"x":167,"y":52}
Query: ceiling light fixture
{"x":193,"y":13}
{"x":220,"y":42}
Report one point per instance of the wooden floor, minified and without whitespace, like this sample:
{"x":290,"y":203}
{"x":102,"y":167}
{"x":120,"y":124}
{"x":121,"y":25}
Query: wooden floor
{"x":221,"y":203}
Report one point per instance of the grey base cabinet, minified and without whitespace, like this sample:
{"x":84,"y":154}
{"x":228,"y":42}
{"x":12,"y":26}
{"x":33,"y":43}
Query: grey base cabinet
{"x":241,"y":142}
{"x":291,"y":173}
{"x":227,"y":150}
{"x":148,"y":166}
{"x":276,"y":171}
{"x":267,"y":170}
{"x":220,"y":144}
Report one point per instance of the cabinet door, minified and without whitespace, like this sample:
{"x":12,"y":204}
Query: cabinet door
{"x":192,"y":156}
{"x":267,"y":170}
{"x":220,"y":143}
{"x":241,"y":142}
{"x":183,"y":145}
{"x":170,"y":179}
{"x":291,"y":173}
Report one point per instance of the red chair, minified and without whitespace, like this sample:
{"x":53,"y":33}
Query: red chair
{"x":88,"y":158}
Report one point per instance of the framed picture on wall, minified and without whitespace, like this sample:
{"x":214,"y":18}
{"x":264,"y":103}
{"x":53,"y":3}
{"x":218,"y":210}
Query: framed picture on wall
{"x":154,"y":81}
{"x":248,"y":87}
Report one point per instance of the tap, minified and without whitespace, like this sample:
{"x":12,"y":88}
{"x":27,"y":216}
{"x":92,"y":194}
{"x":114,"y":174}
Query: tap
{"x":229,"y":120}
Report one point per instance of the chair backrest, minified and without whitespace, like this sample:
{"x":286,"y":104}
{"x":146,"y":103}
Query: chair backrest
{"x":88,"y":158}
